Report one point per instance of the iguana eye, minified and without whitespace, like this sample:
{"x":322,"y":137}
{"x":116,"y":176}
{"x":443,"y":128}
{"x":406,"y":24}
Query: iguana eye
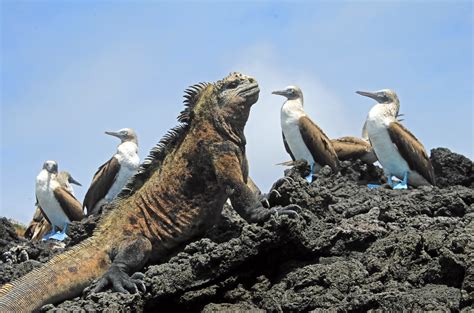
{"x":232,"y":85}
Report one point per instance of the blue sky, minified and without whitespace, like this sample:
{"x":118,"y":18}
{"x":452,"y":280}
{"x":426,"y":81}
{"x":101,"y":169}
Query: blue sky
{"x":71,"y":70}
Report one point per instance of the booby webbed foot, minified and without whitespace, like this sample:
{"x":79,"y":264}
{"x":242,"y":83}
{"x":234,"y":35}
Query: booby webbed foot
{"x":60,"y":236}
{"x":389,"y":182}
{"x":400,"y":186}
{"x":403,"y":184}
{"x":373,"y":186}
{"x":121,"y":281}
{"x":50,"y":234}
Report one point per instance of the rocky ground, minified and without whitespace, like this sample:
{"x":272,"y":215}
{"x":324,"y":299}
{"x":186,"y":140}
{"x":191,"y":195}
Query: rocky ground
{"x":350,"y":249}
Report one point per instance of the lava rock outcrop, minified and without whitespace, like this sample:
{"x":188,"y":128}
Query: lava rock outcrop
{"x":350,"y":249}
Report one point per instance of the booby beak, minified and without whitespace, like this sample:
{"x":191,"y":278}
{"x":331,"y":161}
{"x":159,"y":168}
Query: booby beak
{"x":115,"y":134}
{"x":373,"y":95}
{"x":73,"y":181}
{"x":283,"y":93}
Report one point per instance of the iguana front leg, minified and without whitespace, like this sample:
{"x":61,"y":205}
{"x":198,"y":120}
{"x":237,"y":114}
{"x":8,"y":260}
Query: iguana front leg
{"x":228,"y":170}
{"x":130,"y":256}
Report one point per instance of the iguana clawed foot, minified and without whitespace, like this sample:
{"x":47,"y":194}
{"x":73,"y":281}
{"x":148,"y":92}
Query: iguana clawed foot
{"x":120,"y":281}
{"x":264,"y":201}
{"x":281,"y":181}
{"x":269,"y":198}
{"x":274,"y":194}
{"x":290,"y":210}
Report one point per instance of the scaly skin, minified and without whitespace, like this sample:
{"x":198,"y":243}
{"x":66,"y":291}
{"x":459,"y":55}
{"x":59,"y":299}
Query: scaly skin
{"x":178,"y":193}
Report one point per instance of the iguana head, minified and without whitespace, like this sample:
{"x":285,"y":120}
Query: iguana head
{"x":235,"y":96}
{"x":226,"y":102}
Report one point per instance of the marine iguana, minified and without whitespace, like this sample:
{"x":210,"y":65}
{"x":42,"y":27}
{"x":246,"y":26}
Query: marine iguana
{"x":178,"y":192}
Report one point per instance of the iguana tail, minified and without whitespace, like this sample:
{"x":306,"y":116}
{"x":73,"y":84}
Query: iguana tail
{"x":64,"y":276}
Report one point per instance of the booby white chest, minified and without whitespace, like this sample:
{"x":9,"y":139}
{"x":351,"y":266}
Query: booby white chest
{"x":45,"y":186}
{"x":127,"y":156}
{"x":387,"y":153}
{"x":291,"y":112}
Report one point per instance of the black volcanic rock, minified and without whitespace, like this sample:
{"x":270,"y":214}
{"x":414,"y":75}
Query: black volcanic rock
{"x":8,"y":235}
{"x":19,"y":256}
{"x":351,"y":249}
{"x":452,"y":168}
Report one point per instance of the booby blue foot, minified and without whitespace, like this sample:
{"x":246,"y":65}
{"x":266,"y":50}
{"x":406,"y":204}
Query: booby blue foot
{"x":389,"y":181}
{"x":373,"y":186}
{"x":60,"y":236}
{"x":309,"y":178}
{"x":48,"y":235}
{"x":403,"y":184}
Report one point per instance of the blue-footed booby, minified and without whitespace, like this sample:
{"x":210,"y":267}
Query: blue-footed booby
{"x":399,"y":152}
{"x":57,"y":204}
{"x":39,"y":226}
{"x":352,"y":148}
{"x":302,"y":138}
{"x":113,"y":175}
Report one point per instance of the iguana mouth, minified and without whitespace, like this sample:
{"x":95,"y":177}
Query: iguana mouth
{"x":250,"y":90}
{"x":250,"y":93}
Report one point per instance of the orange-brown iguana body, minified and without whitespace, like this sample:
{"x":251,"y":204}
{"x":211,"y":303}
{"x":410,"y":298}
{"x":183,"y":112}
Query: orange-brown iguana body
{"x":179,"y":191}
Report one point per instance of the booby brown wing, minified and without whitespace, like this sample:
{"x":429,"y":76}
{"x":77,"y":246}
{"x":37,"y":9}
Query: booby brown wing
{"x":37,"y":218}
{"x":348,"y":148}
{"x":412,"y":151}
{"x":70,"y":205}
{"x":42,"y":229}
{"x":287,"y":147}
{"x":38,"y":227}
{"x":318,"y":143}
{"x":101,"y":183}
